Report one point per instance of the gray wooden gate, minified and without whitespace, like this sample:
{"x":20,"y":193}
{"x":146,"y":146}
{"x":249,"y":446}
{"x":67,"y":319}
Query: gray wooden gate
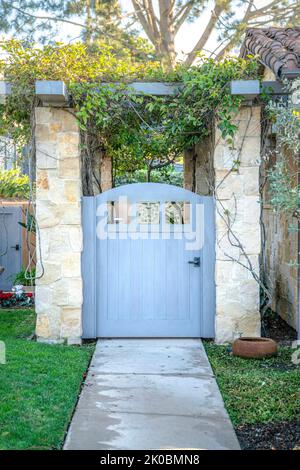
{"x":148,"y":263}
{"x":10,"y":245}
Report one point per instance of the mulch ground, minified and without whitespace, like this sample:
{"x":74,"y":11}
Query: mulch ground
{"x":276,"y":328}
{"x":272,"y":436}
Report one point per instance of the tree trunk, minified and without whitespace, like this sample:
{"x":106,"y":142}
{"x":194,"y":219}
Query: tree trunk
{"x":88,"y":22}
{"x":167,"y":39}
{"x":167,"y":58}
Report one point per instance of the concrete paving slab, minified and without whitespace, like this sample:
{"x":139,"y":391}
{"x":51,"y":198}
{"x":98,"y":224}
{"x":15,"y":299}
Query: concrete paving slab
{"x":165,"y":356}
{"x":150,"y":394}
{"x":161,"y":394}
{"x":135,"y":431}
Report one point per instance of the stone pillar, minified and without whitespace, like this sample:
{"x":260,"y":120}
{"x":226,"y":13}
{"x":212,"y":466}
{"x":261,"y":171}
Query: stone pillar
{"x":58,"y":213}
{"x":237,"y":196}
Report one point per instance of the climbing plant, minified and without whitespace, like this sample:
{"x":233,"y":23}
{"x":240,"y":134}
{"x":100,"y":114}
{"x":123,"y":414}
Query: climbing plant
{"x":140,"y":132}
{"x":22,"y":64}
{"x":283,"y":175}
{"x":152,"y":131}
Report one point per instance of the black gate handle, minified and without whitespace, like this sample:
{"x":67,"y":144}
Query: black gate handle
{"x":16,"y":247}
{"x":196,"y":261}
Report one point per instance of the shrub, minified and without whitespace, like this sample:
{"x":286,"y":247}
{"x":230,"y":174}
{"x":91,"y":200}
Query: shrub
{"x":14,"y":184}
{"x":24,"y":278}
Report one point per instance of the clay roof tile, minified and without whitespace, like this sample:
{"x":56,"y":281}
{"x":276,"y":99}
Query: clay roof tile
{"x":277,"y":48}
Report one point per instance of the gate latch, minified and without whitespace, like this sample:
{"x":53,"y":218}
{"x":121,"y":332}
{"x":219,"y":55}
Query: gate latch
{"x":196,"y":261}
{"x":16,"y":247}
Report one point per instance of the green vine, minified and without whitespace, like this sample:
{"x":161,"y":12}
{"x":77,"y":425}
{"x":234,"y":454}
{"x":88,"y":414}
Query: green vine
{"x":283,"y":175}
{"x":139,"y":132}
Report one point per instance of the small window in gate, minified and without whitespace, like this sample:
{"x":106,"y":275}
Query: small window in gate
{"x":177,"y":213}
{"x":148,"y":213}
{"x":117,"y":212}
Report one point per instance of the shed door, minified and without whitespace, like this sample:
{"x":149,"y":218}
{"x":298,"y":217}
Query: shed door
{"x":10,"y":245}
{"x":153,"y":263}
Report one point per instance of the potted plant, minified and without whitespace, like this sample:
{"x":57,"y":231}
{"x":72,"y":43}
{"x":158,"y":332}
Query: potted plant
{"x":26,"y":279}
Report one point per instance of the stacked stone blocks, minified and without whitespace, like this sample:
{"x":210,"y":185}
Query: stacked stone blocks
{"x":58,"y":207}
{"x":237,"y":196}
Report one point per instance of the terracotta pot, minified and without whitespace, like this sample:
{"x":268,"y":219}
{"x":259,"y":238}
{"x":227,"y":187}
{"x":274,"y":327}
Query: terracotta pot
{"x":254,"y":347}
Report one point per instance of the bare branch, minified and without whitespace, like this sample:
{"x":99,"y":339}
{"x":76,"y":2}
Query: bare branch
{"x":141,"y":15}
{"x":215,"y":14}
{"x":267,"y":8}
{"x":152,"y":17}
{"x":45,"y":17}
{"x":182,"y":15}
{"x":239,"y":32}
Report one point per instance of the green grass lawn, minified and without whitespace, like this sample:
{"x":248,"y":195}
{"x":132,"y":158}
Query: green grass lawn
{"x":257,"y":391}
{"x":39,"y":385}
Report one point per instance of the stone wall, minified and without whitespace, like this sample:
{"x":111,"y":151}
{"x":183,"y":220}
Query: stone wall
{"x":58,"y":212}
{"x":237,"y":196}
{"x":281,"y":253}
{"x":237,"y":192}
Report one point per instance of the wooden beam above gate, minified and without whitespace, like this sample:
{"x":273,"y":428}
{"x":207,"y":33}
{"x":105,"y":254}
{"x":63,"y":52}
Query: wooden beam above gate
{"x":55,"y":92}
{"x":52,"y":92}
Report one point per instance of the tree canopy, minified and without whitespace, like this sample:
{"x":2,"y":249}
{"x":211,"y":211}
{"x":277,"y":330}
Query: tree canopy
{"x":150,"y":27}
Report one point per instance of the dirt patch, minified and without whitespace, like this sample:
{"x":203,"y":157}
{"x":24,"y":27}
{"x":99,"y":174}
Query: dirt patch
{"x":270,"y":436}
{"x":274,"y":327}
{"x":279,"y":366}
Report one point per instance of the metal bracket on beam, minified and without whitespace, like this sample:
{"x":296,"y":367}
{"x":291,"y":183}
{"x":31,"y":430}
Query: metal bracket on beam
{"x":52,"y":92}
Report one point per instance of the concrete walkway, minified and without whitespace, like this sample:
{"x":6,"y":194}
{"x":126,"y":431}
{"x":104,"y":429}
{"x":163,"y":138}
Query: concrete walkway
{"x":150,"y":394}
